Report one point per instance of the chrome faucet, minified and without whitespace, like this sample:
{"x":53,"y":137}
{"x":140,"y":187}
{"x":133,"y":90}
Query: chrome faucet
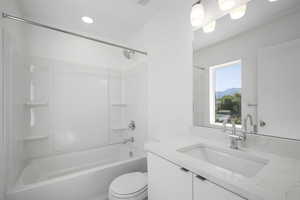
{"x":234,"y":137}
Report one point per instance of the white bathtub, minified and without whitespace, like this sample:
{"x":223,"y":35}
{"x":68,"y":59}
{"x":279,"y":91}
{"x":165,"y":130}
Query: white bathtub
{"x":76,"y":176}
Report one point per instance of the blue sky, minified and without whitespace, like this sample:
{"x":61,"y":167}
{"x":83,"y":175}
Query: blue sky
{"x":228,"y":77}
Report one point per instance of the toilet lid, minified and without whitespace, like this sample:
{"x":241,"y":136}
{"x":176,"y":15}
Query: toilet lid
{"x":129,"y":183}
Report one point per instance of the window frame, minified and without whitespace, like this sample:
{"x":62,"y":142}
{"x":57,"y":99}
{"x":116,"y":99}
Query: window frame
{"x":212,"y":90}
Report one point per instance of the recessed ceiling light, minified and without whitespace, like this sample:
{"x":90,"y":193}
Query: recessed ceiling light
{"x":87,"y":20}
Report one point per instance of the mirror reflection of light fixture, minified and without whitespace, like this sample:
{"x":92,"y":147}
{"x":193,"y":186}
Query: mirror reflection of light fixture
{"x":197,"y":14}
{"x":210,"y":27}
{"x":238,"y":12}
{"x":226,"y":4}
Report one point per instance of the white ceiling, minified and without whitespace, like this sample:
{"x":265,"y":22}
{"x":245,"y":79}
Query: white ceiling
{"x":259,"y":12}
{"x":113,"y":19}
{"x":117,"y":20}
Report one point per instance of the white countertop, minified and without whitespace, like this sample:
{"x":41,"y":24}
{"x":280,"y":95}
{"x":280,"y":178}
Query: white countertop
{"x":278,"y":180}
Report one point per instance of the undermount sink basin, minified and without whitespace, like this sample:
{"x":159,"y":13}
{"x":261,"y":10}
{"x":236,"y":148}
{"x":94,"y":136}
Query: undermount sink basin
{"x":235,"y":161}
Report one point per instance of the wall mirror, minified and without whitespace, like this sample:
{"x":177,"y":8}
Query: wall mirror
{"x":246,"y":69}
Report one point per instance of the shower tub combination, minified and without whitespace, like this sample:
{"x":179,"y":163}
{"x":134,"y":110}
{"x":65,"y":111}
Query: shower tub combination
{"x":77,"y":176}
{"x":82,"y":175}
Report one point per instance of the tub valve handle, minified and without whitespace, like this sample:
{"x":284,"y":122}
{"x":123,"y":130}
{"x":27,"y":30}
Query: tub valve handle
{"x":131,"y":125}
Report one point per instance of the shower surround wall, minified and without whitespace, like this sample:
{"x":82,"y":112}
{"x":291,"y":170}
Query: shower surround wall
{"x":12,"y":154}
{"x":73,"y":111}
{"x":83,"y":107}
{"x":16,"y":115}
{"x":81,"y":84}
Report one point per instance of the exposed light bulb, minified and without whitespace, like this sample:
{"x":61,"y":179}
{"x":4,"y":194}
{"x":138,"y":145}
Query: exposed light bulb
{"x":238,"y":12}
{"x":210,"y":27}
{"x":197,"y":14}
{"x":226,"y":4}
{"x":87,"y":20}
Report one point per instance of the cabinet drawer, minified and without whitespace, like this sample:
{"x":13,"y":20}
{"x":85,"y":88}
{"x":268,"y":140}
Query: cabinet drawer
{"x":206,"y":190}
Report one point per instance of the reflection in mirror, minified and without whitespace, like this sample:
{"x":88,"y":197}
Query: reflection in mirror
{"x":225,"y":93}
{"x":245,"y":71}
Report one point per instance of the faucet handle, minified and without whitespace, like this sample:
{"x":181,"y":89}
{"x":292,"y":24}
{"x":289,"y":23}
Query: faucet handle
{"x":132,"y":125}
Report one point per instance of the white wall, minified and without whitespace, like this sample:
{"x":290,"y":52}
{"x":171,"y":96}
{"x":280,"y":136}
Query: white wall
{"x":199,"y":93}
{"x":59,"y":46}
{"x":167,"y":38}
{"x":245,"y":47}
{"x":278,"y":89}
{"x":12,"y":157}
{"x":136,"y":98}
{"x":2,"y":138}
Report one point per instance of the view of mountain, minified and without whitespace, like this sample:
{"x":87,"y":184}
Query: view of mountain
{"x":227,"y":92}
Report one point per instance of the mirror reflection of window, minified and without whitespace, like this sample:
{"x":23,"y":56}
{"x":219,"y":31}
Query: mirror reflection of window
{"x":225,"y":93}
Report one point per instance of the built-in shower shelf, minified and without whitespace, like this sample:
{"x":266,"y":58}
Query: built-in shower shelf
{"x":119,"y":105}
{"x":36,"y":104}
{"x":36,"y":137}
{"x":120,"y":129}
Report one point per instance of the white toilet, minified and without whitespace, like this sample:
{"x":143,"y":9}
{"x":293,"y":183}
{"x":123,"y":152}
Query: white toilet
{"x":132,"y":186}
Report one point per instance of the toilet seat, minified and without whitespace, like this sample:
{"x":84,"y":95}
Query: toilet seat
{"x":132,"y":186}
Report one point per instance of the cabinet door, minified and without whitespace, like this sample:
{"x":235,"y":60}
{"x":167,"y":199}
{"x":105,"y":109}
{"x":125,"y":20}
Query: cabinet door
{"x":205,"y":190}
{"x":167,"y":181}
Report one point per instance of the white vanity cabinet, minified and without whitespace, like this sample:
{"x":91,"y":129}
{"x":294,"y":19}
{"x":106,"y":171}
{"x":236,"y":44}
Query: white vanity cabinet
{"x":205,"y":190}
{"x":167,"y":181}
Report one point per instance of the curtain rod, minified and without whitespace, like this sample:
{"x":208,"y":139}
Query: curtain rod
{"x":7,"y":16}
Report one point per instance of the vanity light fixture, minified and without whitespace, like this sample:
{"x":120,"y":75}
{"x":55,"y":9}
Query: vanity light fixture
{"x":197,"y":14}
{"x":87,"y":20}
{"x":226,"y":4}
{"x":273,"y":0}
{"x":238,"y":12}
{"x":210,"y":27}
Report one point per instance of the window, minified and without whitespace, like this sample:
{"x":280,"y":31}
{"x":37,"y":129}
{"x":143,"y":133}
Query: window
{"x":225,"y":93}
